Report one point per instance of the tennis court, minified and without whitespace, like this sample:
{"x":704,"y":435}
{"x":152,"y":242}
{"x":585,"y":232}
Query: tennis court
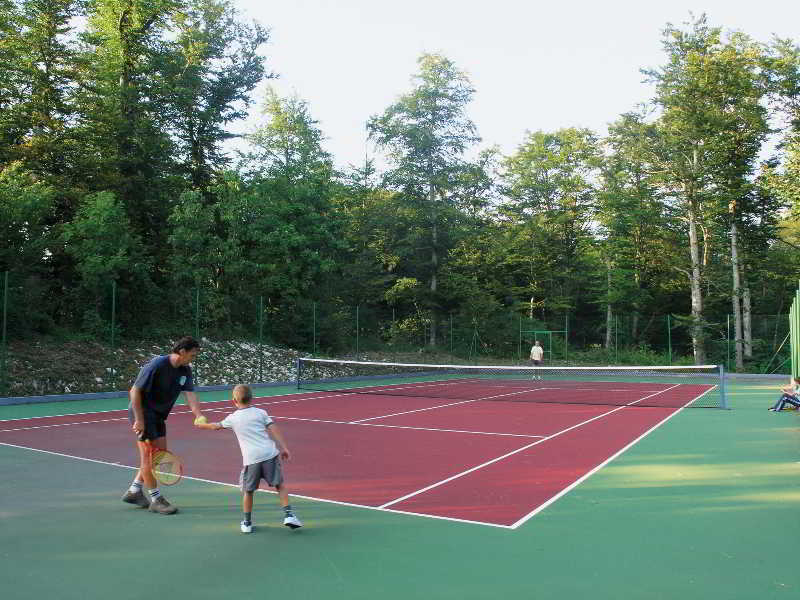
{"x":468,"y":495}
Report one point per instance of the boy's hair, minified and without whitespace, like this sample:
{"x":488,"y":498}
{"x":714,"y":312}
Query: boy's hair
{"x":242,"y":393}
{"x":185,"y":343}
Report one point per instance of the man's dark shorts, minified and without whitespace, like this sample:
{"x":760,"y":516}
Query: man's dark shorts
{"x":154,"y":426}
{"x":268,"y":470}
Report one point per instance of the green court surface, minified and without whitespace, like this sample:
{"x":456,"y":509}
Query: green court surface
{"x":705,"y":506}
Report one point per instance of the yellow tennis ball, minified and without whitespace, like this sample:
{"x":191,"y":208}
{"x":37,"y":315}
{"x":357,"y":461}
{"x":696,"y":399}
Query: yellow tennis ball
{"x":201,"y":420}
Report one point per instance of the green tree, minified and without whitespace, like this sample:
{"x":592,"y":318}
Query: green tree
{"x":27,"y":206}
{"x":215,"y":66}
{"x":684,"y":152}
{"x":104,"y":249}
{"x":126,"y":109}
{"x":549,"y":185}
{"x":425,"y":134}
{"x":632,"y":221}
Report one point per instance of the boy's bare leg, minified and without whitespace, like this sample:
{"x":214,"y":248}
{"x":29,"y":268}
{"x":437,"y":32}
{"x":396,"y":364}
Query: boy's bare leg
{"x":290,"y":519}
{"x":283,"y":495}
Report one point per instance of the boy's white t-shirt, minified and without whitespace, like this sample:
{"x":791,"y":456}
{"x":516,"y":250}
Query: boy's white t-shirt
{"x":250,"y":426}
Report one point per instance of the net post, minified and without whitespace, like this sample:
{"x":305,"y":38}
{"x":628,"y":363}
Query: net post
{"x":723,"y":395}
{"x":297,"y":373}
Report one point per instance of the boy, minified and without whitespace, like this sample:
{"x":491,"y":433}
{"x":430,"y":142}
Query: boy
{"x":257,"y":435}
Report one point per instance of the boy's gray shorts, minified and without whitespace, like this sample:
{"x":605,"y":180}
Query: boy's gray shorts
{"x":268,"y":470}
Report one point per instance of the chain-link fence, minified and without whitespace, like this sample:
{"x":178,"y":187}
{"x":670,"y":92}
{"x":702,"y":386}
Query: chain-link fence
{"x":39,"y":355}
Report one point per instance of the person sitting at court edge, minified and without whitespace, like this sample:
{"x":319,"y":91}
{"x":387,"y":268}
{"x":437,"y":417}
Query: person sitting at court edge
{"x":791,"y":395}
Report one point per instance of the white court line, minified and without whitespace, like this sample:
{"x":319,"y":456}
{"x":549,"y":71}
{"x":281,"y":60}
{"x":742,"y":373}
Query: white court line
{"x":497,"y":433}
{"x":63,"y":424}
{"x":202,"y":405}
{"x":499,"y":458}
{"x":336,"y":394}
{"x":237,"y":486}
{"x":578,"y":481}
{"x":383,"y":507}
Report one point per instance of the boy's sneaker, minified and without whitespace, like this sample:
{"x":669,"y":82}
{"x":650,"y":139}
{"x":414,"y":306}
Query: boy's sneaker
{"x":161,"y":506}
{"x":292,"y":522}
{"x":246,"y":527}
{"x":136,"y":498}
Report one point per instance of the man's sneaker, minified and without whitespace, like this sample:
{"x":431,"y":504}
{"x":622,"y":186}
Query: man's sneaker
{"x":246,"y":527}
{"x":136,"y":498}
{"x":161,"y":506}
{"x":292,"y":521}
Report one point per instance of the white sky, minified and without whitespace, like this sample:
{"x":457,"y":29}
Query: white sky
{"x":535,"y":64}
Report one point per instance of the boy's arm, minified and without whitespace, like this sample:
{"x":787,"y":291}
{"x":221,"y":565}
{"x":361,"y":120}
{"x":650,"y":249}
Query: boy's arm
{"x":211,"y":426}
{"x":275,"y":434}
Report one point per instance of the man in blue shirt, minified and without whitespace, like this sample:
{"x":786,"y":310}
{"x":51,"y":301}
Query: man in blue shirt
{"x":152,"y":397}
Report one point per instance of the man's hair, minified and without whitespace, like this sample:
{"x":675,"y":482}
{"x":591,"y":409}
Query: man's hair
{"x":185,"y":343}
{"x":243,"y":393}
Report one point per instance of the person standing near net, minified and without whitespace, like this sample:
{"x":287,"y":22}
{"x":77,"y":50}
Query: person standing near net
{"x":537,"y":353}
{"x":790,"y":395}
{"x":152,"y":397}
{"x":263,"y":448}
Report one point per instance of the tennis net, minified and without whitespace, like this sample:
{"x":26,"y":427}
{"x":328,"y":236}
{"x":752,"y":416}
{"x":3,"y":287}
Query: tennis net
{"x":659,"y":386}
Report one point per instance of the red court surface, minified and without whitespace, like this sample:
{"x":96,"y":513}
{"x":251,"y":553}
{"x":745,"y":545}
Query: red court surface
{"x":488,"y":462}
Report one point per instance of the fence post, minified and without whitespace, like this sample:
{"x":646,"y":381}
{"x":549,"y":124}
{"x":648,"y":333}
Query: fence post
{"x":197,"y":312}
{"x":113,"y":328}
{"x":793,"y":338}
{"x":195,"y":367}
{"x":261,"y":339}
{"x":313,"y":329}
{"x":3,"y":349}
{"x":451,"y":334}
{"x":669,"y":341}
{"x":728,"y":342}
{"x":722,"y":390}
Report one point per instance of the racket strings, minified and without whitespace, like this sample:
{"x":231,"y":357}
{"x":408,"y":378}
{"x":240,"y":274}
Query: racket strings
{"x":167,"y":467}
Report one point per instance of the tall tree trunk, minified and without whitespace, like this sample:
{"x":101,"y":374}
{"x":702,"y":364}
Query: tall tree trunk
{"x":736,"y":295}
{"x":127,"y":103}
{"x":747,"y":317}
{"x":434,"y":264}
{"x":698,"y":335}
{"x":609,"y":312}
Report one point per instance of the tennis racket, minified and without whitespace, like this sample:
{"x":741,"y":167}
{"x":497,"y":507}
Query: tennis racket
{"x":167,"y":467}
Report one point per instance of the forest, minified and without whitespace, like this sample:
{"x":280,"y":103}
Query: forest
{"x":130,"y":209}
